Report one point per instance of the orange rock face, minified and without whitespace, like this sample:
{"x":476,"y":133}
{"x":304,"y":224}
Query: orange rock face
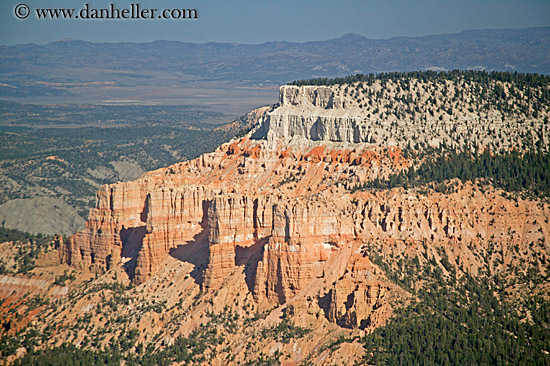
{"x":358,"y":300}
{"x":285,"y":215}
{"x":281,"y":215}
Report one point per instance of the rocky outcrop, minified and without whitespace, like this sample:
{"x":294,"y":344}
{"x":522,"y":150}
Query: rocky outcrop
{"x":231,"y":229}
{"x":404,"y":113}
{"x":278,"y":207}
{"x":139,"y":221}
{"x":304,"y":235}
{"x":315,"y":114}
{"x":174,"y":217}
{"x":359,"y":298}
{"x":118,"y":208}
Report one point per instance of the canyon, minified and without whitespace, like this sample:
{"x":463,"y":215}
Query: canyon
{"x":277,"y":205}
{"x":277,"y":222}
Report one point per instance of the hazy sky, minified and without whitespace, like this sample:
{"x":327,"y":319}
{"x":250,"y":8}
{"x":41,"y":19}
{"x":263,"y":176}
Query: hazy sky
{"x":256,"y":21}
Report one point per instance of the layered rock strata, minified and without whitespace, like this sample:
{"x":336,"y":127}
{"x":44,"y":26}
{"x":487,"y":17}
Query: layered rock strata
{"x":278,"y":205}
{"x":408,"y":113}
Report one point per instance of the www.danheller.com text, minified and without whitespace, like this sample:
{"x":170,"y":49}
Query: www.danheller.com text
{"x":133,"y":11}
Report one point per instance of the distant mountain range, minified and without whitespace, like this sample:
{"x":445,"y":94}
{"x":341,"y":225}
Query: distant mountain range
{"x":272,"y":63}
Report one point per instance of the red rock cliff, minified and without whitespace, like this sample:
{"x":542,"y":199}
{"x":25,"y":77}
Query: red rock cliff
{"x":282,"y":212}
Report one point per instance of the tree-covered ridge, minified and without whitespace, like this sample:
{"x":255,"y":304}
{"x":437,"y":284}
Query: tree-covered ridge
{"x":459,"y":109}
{"x":527,"y":94}
{"x":202,"y":346}
{"x":16,"y":235}
{"x":513,"y":172}
{"x":521,"y":79}
{"x":459,"y":320}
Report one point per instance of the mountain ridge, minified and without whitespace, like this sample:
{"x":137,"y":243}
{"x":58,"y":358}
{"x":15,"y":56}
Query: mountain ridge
{"x":517,"y":49}
{"x":350,"y":35}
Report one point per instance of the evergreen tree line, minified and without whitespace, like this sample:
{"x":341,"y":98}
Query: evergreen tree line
{"x":460,"y":322}
{"x":28,"y":247}
{"x":532,"y":80}
{"x":512,"y":172}
{"x":70,"y":355}
{"x":16,"y":235}
{"x":528,"y":92}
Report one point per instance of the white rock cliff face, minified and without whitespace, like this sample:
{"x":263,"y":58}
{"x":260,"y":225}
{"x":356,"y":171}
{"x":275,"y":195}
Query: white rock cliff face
{"x":314,"y":113}
{"x":426,"y":115}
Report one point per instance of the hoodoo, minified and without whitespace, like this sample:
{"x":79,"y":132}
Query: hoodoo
{"x":282,"y":209}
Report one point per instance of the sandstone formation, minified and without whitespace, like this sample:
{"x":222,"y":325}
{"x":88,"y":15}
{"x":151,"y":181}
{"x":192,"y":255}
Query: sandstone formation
{"x":278,"y":206}
{"x":358,"y":300}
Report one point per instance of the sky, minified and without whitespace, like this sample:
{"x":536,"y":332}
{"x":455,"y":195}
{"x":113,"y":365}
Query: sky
{"x":257,"y":21}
